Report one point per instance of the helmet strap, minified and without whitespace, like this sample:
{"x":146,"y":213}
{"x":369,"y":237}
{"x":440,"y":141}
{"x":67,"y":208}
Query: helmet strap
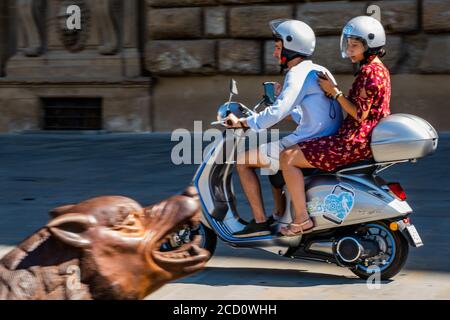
{"x":283,"y":64}
{"x":287,"y":56}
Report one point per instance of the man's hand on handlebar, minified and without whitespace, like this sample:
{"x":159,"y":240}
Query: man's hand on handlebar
{"x":234,"y":122}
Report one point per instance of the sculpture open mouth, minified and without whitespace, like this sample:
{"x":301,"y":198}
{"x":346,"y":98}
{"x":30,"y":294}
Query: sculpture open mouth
{"x":188,"y":255}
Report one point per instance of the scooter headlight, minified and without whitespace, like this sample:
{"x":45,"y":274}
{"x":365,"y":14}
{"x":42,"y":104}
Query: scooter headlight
{"x":223,"y":112}
{"x":233,"y":107}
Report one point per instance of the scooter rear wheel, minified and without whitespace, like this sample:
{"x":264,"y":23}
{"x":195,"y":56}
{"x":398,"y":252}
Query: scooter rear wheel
{"x":399,"y":250}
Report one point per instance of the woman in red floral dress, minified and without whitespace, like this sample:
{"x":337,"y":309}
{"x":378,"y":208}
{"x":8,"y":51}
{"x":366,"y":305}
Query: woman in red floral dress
{"x":366,"y":104}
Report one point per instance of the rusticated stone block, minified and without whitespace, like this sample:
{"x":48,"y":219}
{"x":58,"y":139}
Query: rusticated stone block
{"x":436,"y":15}
{"x":394,"y":52}
{"x":399,"y":16}
{"x":436,"y":56}
{"x":215,"y":21}
{"x":253,"y":21}
{"x":3,"y":35}
{"x":176,"y":23}
{"x":240,"y":56}
{"x":328,"y":18}
{"x":413,"y":48}
{"x":180,"y":3}
{"x":254,"y":1}
{"x":19,"y":113}
{"x":180,"y":57}
{"x":328,"y":54}
{"x":271,"y":65}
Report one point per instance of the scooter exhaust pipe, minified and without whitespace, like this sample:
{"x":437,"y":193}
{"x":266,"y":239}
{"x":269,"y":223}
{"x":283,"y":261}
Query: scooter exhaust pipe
{"x":350,"y":249}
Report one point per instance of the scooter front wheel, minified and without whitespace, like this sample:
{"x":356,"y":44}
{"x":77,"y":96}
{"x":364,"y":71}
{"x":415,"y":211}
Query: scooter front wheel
{"x":394,"y":249}
{"x":208,"y":238}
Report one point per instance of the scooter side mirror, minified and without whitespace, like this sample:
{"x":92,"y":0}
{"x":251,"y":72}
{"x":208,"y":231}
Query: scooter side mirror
{"x":233,"y":87}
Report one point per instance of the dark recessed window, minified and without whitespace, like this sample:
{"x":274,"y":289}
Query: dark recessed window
{"x":72,"y":113}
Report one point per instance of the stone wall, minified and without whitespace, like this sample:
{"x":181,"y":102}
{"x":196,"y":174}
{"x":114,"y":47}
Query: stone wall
{"x":233,"y":37}
{"x":40,"y":58}
{"x":125,"y":106}
{"x":4,"y":28}
{"x":179,"y":101}
{"x":154,"y":62}
{"x":219,"y":39}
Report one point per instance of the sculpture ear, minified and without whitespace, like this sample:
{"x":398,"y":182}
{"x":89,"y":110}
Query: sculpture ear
{"x":71,"y":229}
{"x":60,"y":210}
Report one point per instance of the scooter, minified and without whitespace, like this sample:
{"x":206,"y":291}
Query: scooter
{"x":362,"y":222}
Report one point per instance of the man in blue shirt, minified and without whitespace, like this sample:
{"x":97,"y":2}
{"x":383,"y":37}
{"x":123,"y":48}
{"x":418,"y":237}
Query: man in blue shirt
{"x":301,"y":98}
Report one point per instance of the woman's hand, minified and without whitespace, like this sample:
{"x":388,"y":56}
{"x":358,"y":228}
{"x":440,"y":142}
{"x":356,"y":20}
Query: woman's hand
{"x":327,"y":85}
{"x":278,"y":88}
{"x":232,"y":121}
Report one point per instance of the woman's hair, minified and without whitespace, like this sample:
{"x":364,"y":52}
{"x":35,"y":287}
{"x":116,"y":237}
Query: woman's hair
{"x":380,"y":52}
{"x":371,"y":53}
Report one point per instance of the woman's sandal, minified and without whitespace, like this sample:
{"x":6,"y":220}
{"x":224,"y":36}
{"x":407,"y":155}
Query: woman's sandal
{"x":289,"y":233}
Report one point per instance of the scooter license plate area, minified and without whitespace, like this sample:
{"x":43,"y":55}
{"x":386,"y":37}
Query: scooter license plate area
{"x":412,"y":231}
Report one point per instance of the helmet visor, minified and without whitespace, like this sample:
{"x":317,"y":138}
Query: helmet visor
{"x":274,"y":24}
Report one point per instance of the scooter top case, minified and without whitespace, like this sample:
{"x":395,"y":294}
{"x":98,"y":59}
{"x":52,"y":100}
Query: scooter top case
{"x":403,"y":137}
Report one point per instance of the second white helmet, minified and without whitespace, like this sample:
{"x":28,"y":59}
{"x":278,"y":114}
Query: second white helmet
{"x":367,"y":29}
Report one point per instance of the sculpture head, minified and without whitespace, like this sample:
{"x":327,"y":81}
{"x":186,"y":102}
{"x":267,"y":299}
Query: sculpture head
{"x":116,"y":245}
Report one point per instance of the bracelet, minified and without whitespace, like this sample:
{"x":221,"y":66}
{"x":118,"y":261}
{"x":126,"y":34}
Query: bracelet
{"x":337,"y":95}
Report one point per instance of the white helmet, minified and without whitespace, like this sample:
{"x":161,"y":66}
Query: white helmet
{"x":367,"y":29}
{"x":298,"y":38}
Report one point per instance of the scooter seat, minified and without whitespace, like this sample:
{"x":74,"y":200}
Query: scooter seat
{"x":278,"y":182}
{"x":355,"y":165}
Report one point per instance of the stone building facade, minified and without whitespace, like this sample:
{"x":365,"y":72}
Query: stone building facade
{"x":157,"y":65}
{"x":55,"y":78}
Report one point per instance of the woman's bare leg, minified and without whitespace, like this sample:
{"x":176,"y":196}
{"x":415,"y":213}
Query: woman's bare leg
{"x":290,"y":161}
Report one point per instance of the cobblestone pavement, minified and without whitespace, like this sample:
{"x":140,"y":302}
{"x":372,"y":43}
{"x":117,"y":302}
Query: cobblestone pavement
{"x":41,"y":171}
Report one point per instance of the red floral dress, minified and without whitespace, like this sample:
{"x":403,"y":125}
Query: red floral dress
{"x":352,"y":142}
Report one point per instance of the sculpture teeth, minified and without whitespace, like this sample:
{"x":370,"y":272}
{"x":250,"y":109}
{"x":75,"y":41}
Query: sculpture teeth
{"x":197,"y":240}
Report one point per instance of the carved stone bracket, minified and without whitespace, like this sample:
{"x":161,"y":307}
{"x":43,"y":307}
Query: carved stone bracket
{"x":97,"y":23}
{"x":74,"y":40}
{"x":130,"y":24}
{"x":104,"y":42}
{"x":29,"y":37}
{"x":107,"y":32}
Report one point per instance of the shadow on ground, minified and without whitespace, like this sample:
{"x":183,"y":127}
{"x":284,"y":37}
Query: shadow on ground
{"x":217,"y":276}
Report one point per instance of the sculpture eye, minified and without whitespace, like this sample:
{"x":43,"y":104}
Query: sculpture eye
{"x":132,"y":224}
{"x":130,"y":220}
